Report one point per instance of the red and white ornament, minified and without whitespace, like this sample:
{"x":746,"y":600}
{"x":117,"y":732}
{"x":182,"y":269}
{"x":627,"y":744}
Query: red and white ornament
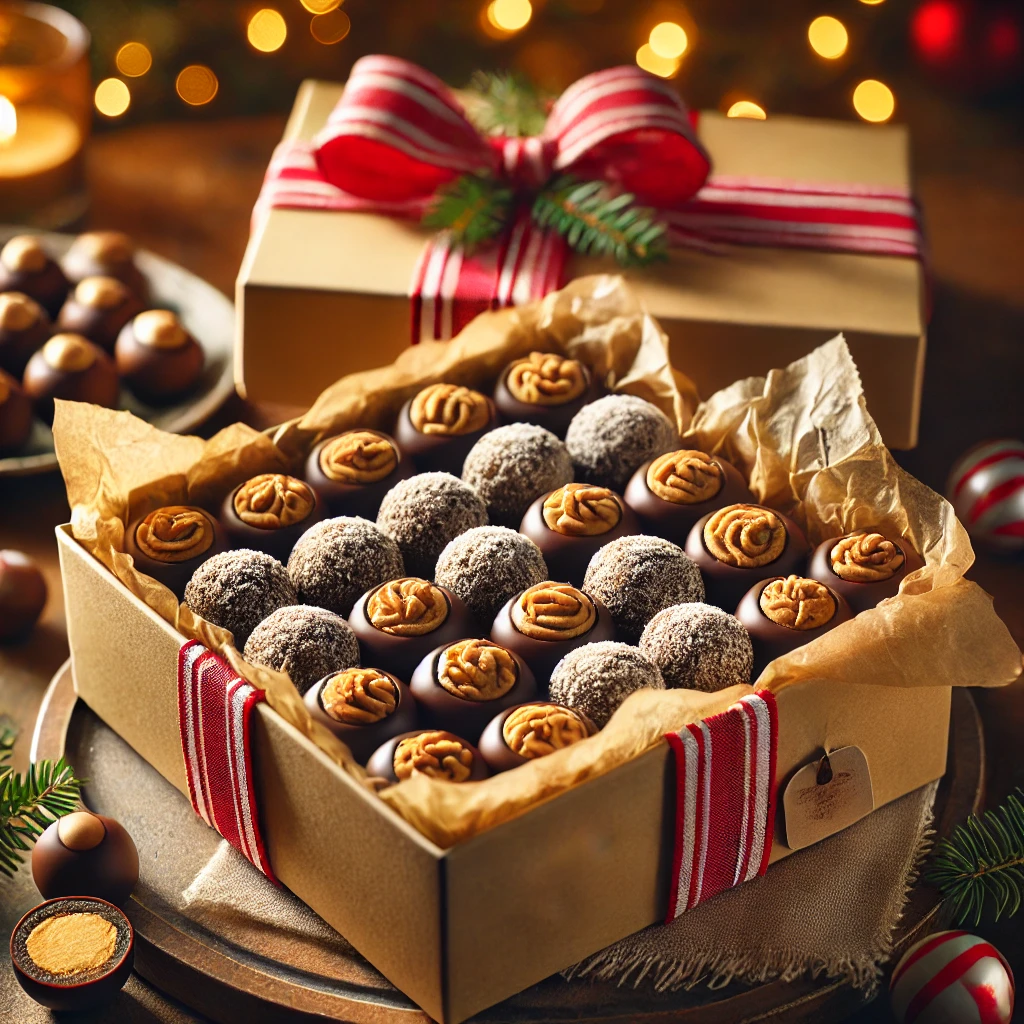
{"x":986,"y":488}
{"x":952,"y":978}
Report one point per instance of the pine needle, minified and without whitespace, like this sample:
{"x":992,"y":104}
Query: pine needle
{"x":506,"y":105}
{"x":473,"y":208}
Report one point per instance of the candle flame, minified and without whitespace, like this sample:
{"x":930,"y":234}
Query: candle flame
{"x":8,"y":120}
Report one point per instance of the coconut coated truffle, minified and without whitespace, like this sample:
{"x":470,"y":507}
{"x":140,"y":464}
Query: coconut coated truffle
{"x":597,"y":678}
{"x":698,"y":647}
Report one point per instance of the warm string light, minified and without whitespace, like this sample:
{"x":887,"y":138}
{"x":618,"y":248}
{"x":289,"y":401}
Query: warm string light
{"x":8,"y":121}
{"x":196,"y":85}
{"x":828,"y":37}
{"x":668,"y":40}
{"x":267,"y":30}
{"x":133,"y":60}
{"x":871,"y":3}
{"x":509,"y":15}
{"x":321,"y":6}
{"x":664,"y":67}
{"x":747,"y":108}
{"x":330,"y":28}
{"x":112,"y":97}
{"x":874,"y":101}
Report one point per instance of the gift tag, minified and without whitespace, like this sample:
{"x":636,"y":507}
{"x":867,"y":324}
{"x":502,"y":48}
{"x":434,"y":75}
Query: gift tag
{"x":826,"y":796}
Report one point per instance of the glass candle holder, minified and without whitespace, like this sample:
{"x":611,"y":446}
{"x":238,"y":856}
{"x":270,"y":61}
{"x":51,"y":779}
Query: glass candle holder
{"x":45,"y":115}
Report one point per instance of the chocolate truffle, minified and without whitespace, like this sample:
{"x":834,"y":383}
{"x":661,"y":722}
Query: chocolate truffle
{"x":22,"y":595}
{"x":400,"y":622}
{"x":545,"y":622}
{"x":425,"y":512}
{"x":68,"y":366}
{"x":98,"y":308}
{"x":864,"y":567}
{"x":339,"y":559}
{"x":529,"y":731}
{"x":24,"y":326}
{"x":670,"y":493}
{"x":158,"y":359}
{"x":26,"y":267}
{"x":608,"y":439}
{"x":636,"y":577}
{"x":544,"y":388}
{"x":270,"y":512}
{"x":463,"y":685}
{"x":353,"y":471}
{"x":487,"y":565}
{"x":698,"y":647}
{"x":597,"y":678}
{"x":438,"y":426}
{"x":570,"y":524}
{"x":510,"y":466}
{"x":172,"y":542}
{"x":237,"y":590}
{"x":363,"y":707}
{"x":15,"y":415}
{"x":86,"y":854}
{"x":106,"y":254}
{"x":741,"y":544}
{"x":434,"y":753}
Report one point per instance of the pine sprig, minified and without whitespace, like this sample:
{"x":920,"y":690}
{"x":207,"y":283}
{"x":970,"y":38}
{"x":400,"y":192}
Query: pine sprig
{"x":982,"y":863}
{"x":473,"y":208}
{"x":505,"y":104}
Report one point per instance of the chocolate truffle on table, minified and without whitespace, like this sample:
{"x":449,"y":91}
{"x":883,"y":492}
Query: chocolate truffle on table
{"x":544,"y":388}
{"x":739,"y":545}
{"x":24,"y":327}
{"x":434,"y":753}
{"x":529,"y":731}
{"x":158,"y":359}
{"x":70,"y":367}
{"x":437,"y":427}
{"x":22,"y":595}
{"x":270,"y":512}
{"x":15,"y":415}
{"x":105,"y":254}
{"x":26,"y":267}
{"x":171,"y":542}
{"x":98,"y":308}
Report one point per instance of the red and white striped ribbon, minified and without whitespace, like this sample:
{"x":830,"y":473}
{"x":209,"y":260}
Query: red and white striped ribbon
{"x":725,"y":800}
{"x":215,"y":709}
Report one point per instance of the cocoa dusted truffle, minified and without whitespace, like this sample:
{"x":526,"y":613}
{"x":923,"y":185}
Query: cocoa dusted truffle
{"x":636,"y":577}
{"x":106,"y":254}
{"x":544,"y":388}
{"x":608,"y":439}
{"x":597,"y":678}
{"x":305,"y":642}
{"x":68,"y":366}
{"x":438,"y":426}
{"x":98,"y":308}
{"x":24,"y":326}
{"x":529,"y":731}
{"x":698,"y":647}
{"x":339,"y":559}
{"x":171,"y":542}
{"x":435,"y":753}
{"x":22,"y":595}
{"x":26,"y":267}
{"x":510,"y":466}
{"x":270,"y":512}
{"x":158,"y":359}
{"x":425,"y":512}
{"x":15,"y":415}
{"x":487,"y":565}
{"x":237,"y":590}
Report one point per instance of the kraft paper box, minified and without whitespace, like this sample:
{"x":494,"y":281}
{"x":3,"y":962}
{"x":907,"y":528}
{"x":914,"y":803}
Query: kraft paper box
{"x":322,"y":294}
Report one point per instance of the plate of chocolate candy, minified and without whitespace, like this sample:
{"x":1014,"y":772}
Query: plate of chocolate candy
{"x":91,"y":318}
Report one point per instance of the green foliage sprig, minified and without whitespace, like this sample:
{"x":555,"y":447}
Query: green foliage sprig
{"x":473,"y":208}
{"x":507,"y":105}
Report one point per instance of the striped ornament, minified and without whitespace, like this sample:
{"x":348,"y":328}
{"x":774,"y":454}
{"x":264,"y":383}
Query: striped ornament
{"x":952,"y":978}
{"x":986,"y":489}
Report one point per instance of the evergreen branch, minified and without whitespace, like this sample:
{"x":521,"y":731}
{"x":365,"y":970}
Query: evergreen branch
{"x":507,"y":105}
{"x":982,"y":863}
{"x":473,"y":208}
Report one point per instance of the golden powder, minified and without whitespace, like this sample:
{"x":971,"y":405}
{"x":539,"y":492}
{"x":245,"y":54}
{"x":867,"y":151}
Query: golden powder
{"x":72,"y":943}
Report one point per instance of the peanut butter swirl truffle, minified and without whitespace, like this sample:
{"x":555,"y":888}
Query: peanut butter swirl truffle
{"x":270,"y":512}
{"x":70,"y":367}
{"x":544,"y":388}
{"x":529,"y":731}
{"x":171,"y":542}
{"x":24,"y":326}
{"x":434,"y":754}
{"x":25,"y":266}
{"x":438,"y":426}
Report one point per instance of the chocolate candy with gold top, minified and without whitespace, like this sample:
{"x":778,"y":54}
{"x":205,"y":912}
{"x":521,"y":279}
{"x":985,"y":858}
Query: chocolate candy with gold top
{"x":22,"y":595}
{"x":106,"y":254}
{"x":434,"y":753}
{"x":437,"y":427}
{"x":25,"y":266}
{"x":71,"y":367}
{"x":98,"y":308}
{"x":462,"y":686}
{"x":158,"y":359}
{"x":171,"y":542}
{"x":529,"y":731}
{"x":865,"y":566}
{"x":15,"y":415}
{"x":740,"y":544}
{"x":24,"y":326}
{"x":403,"y":620}
{"x":670,"y":493}
{"x":544,"y":388}
{"x":786,"y":612}
{"x":270,"y":512}
{"x":353,"y":471}
{"x":363,"y":707}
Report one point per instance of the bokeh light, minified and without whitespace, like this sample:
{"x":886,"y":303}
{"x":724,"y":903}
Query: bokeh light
{"x":664,"y":67}
{"x":873,"y":100}
{"x":828,"y":37}
{"x":321,"y":6}
{"x":112,"y":97}
{"x":330,"y":28}
{"x":197,"y":85}
{"x":8,"y":120}
{"x":668,"y":40}
{"x":133,"y":59}
{"x":267,"y":30}
{"x":871,"y":3}
{"x":747,"y":108}
{"x":937,"y":27}
{"x":509,"y":15}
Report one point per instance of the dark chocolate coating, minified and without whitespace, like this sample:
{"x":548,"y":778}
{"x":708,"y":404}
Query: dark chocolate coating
{"x":277,"y":543}
{"x":101,"y":326}
{"x":18,"y":347}
{"x":363,"y":500}
{"x":381,"y":763}
{"x":673,"y":522}
{"x":15,"y":415}
{"x":724,"y":585}
{"x":97,"y":383}
{"x":401,"y":654}
{"x":79,"y":263}
{"x":861,"y":596}
{"x":158,"y":375}
{"x":173,"y":575}
{"x":567,"y":557}
{"x":49,"y":287}
{"x":769,"y":639}
{"x":109,"y":871}
{"x":22,"y":595}
{"x":500,"y":757}
{"x":555,"y":418}
{"x":438,"y":452}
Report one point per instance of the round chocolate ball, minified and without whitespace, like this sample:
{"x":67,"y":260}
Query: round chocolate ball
{"x":237,"y":590}
{"x":608,"y":439}
{"x":739,"y":545}
{"x":636,"y":577}
{"x":270,"y":512}
{"x":698,"y":647}
{"x":363,"y":707}
{"x":26,"y":267}
{"x":784,"y":613}
{"x":22,"y":595}
{"x":98,"y":308}
{"x":864,"y":567}
{"x":597,"y":678}
{"x":544,"y":388}
{"x":353,"y":471}
{"x":106,"y":254}
{"x":434,"y":753}
{"x":425,"y":512}
{"x":570,"y":524}
{"x":529,"y":731}
{"x":24,"y":327}
{"x":438,"y":426}
{"x":171,"y":542}
{"x":510,"y":466}
{"x":339,"y":559}
{"x":70,"y":367}
{"x":15,"y":415}
{"x":400,"y":622}
{"x":158,"y":359}
{"x":462,"y":686}
{"x":486,"y":566}
{"x":305,"y":642}
{"x":86,"y":854}
{"x":670,"y":493}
